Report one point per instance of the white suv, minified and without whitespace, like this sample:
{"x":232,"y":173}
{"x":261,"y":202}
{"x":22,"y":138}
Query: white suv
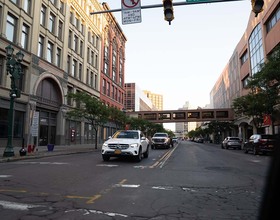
{"x":126,"y":143}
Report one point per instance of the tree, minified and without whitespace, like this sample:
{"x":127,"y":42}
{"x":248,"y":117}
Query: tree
{"x":264,"y":91}
{"x":90,"y":109}
{"x":118,"y":117}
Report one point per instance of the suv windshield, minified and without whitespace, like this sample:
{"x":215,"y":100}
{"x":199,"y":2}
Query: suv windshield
{"x":160,"y":135}
{"x":234,"y":139}
{"x":126,"y":134}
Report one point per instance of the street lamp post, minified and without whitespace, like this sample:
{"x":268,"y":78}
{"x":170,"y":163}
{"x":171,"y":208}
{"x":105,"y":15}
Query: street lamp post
{"x":14,"y":69}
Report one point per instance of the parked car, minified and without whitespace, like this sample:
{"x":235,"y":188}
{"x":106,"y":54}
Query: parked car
{"x":161,"y":140}
{"x":175,"y":140}
{"x":126,"y":143}
{"x":232,"y":142}
{"x":260,"y":143}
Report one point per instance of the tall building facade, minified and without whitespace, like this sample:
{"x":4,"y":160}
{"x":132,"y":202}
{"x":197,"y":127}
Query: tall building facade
{"x":113,"y":62}
{"x":136,"y":100}
{"x":260,"y":38}
{"x":63,"y":47}
{"x":156,"y":99}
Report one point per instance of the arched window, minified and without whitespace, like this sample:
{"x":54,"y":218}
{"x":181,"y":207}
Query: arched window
{"x":256,"y":49}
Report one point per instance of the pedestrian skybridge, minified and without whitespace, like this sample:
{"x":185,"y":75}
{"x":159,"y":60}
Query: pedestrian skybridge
{"x":166,"y":116}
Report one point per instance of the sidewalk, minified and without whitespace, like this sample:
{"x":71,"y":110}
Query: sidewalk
{"x":42,"y":151}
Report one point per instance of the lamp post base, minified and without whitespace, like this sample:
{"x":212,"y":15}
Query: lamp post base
{"x":9,"y":152}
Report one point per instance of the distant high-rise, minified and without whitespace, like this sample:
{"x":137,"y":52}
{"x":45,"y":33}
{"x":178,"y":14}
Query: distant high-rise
{"x":156,"y":99}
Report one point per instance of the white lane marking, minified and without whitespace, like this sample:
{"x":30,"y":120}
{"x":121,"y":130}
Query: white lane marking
{"x":163,"y":187}
{"x":5,"y":176}
{"x":140,"y":167}
{"x":127,"y":185}
{"x":92,"y":211}
{"x":256,"y":161}
{"x":43,"y":163}
{"x":189,"y":189}
{"x":106,"y":165}
{"x":17,"y":206}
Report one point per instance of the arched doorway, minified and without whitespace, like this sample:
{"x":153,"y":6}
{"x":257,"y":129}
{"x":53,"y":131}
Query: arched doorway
{"x":49,"y":101}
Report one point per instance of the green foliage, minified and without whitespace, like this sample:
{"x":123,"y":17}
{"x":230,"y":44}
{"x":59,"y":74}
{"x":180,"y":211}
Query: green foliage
{"x":118,"y":117}
{"x":89,"y":109}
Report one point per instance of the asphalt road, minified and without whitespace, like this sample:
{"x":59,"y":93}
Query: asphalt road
{"x":189,"y":181}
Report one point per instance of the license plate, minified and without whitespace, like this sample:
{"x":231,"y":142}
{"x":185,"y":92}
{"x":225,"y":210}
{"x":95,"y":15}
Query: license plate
{"x":118,"y":151}
{"x":270,"y":145}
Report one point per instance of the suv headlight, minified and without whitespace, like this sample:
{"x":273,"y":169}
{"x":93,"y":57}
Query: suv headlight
{"x":105,"y":145}
{"x":134,"y":145}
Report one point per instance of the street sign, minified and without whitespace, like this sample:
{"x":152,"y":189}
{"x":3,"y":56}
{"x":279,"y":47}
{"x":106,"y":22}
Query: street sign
{"x":35,"y":124}
{"x":131,"y":11}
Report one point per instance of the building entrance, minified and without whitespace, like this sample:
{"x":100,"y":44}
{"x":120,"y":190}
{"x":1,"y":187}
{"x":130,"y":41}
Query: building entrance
{"x":47,"y":131}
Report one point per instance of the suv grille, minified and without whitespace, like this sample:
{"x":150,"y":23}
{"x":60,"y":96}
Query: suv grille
{"x":118,"y":146}
{"x":159,"y":140}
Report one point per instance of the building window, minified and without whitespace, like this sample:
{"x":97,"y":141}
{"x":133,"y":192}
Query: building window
{"x":81,"y":48}
{"x":121,"y":68}
{"x":88,"y":55}
{"x":69,"y":39}
{"x":244,"y":57}
{"x":92,"y":58}
{"x":82,"y":28}
{"x":256,"y":49}
{"x":75,"y":43}
{"x":114,"y":63}
{"x":58,"y":57}
{"x":51,"y":23}
{"x":245,"y":81}
{"x":14,"y":1}
{"x":108,"y":89}
{"x":96,"y":61}
{"x":80,"y":71}
{"x":96,"y":41}
{"x":11,"y":28}
{"x":113,"y":91}
{"x":68,"y":64}
{"x":74,"y":68}
{"x":61,"y":8}
{"x":95,"y":81}
{"x":24,"y":36}
{"x":60,"y":28}
{"x":1,"y":68}
{"x":27,"y":6}
{"x":41,"y":46}
{"x":104,"y":86}
{"x":53,"y":2}
{"x":91,"y":79}
{"x":43,"y":15}
{"x":69,"y":90}
{"x":106,"y":59}
{"x":50,"y":52}
{"x":273,"y":20}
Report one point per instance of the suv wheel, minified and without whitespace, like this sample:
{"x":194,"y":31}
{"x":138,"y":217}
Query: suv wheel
{"x":138,"y":157}
{"x":146,"y":154}
{"x":105,"y":157}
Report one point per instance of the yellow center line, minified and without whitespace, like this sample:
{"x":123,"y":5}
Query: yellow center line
{"x":163,"y":159}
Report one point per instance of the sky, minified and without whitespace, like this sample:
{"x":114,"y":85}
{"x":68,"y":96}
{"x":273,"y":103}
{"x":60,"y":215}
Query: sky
{"x":182,"y":61}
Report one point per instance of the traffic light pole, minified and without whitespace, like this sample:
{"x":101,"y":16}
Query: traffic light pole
{"x":191,"y":2}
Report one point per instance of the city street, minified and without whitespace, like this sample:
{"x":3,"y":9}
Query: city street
{"x":189,"y":181}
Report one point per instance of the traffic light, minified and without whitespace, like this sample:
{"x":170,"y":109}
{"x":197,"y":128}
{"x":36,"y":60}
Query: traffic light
{"x":257,"y":6}
{"x":168,"y":10}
